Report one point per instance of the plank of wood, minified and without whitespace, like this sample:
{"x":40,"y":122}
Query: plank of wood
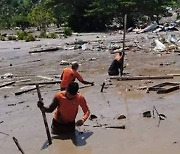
{"x":141,"y":77}
{"x":7,"y":84}
{"x":45,"y":77}
{"x":167,"y":90}
{"x":25,"y":91}
{"x":45,"y":82}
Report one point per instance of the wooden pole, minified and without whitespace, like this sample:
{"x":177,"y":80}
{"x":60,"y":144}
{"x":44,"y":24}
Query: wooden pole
{"x":44,"y":116}
{"x":124,"y":34}
{"x":18,"y":145}
{"x":124,"y":37}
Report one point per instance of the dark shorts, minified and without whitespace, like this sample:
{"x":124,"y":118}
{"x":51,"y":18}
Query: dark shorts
{"x":60,"y":128}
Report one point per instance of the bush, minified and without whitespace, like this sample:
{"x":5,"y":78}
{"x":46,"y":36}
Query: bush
{"x":52,"y":35}
{"x":29,"y":38}
{"x":43,"y":34}
{"x":67,"y":31}
{"x":21,"y":35}
{"x":12,"y":37}
{"x":2,"y":38}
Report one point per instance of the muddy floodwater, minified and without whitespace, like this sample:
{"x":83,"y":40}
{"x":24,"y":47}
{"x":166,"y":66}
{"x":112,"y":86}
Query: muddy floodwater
{"x":20,"y":117}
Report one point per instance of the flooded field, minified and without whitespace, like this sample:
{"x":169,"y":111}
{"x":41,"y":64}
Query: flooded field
{"x":20,"y":117}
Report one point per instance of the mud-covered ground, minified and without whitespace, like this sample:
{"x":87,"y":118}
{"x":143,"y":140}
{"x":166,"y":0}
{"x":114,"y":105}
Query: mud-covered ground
{"x":20,"y":117}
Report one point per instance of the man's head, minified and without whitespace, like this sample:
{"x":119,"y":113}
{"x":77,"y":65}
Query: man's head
{"x":72,"y":90}
{"x":75,"y":66}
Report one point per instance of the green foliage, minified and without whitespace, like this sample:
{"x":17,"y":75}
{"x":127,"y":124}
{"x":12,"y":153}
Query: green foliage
{"x":2,"y":38}
{"x":52,"y":35}
{"x":67,"y":31}
{"x":21,"y":35}
{"x":21,"y":21}
{"x":29,"y":38}
{"x":80,"y":15}
{"x":11,"y":37}
{"x":43,"y":34}
{"x":41,"y":16}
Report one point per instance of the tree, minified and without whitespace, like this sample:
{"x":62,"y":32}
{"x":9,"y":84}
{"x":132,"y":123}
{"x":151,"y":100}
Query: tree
{"x":41,"y":17}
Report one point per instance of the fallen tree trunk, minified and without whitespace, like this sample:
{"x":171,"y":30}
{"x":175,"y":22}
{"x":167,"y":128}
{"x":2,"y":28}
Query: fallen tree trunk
{"x":142,"y":77}
{"x":7,"y":84}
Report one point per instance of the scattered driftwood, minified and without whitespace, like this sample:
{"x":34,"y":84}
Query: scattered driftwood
{"x":114,"y":127}
{"x":165,"y":87}
{"x":141,"y":77}
{"x":18,"y":145}
{"x":45,"y":82}
{"x":50,"y":49}
{"x":7,"y":84}
{"x":26,"y":90}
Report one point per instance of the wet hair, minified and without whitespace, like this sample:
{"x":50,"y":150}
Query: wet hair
{"x":73,"y":88}
{"x":75,"y":65}
{"x":121,"y":53}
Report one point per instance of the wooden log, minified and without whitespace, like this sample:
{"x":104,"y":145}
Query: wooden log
{"x":44,"y":117}
{"x":45,"y":82}
{"x":7,"y":84}
{"x":116,"y":127}
{"x":174,"y":74}
{"x":45,"y":50}
{"x":167,"y":90}
{"x":141,"y":77}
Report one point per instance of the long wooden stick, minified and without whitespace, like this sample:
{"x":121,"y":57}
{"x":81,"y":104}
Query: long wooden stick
{"x":44,"y":116}
{"x":124,"y":34}
{"x":18,"y":145}
{"x":124,"y":38}
{"x":7,"y":84}
{"x":142,"y":77}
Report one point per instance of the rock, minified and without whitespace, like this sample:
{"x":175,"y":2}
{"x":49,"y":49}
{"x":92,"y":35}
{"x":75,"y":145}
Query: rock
{"x":121,"y":117}
{"x":64,"y":62}
{"x":147,"y":114}
{"x":92,"y":116}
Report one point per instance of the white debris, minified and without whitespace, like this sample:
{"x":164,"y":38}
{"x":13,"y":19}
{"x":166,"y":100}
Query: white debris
{"x":159,"y":46}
